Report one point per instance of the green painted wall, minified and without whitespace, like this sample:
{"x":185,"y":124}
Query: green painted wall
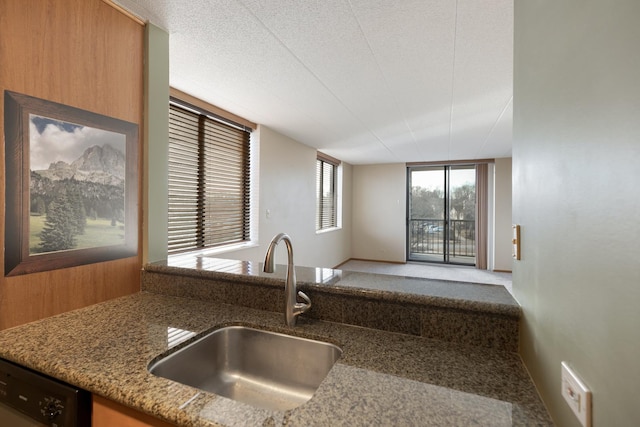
{"x":156,"y":143}
{"x":576,"y":194}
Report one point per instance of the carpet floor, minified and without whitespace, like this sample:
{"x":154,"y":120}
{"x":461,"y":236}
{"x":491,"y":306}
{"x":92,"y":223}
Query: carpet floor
{"x":431,"y":271}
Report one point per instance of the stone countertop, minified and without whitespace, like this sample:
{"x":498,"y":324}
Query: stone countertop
{"x":382,"y":378}
{"x":443,"y":293}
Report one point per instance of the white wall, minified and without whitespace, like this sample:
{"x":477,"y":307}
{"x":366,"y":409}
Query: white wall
{"x":288,"y":191}
{"x":576,"y":194}
{"x":502,"y":215}
{"x":374,"y":196}
{"x":379,"y":212}
{"x":286,"y":183}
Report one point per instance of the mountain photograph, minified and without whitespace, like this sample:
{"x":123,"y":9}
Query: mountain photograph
{"x":77,"y":198}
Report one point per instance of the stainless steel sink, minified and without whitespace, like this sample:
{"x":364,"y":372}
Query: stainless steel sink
{"x":264,"y":369}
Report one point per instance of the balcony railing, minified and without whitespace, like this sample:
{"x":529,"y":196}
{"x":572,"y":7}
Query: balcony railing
{"x":427,"y":236}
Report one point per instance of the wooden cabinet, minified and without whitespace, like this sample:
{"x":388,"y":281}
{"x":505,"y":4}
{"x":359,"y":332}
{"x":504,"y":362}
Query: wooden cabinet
{"x":107,"y":413}
{"x":85,"y":54}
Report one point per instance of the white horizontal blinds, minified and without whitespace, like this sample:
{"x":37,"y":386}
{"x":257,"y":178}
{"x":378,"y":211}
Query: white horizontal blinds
{"x":208,"y":181}
{"x":185,"y":190}
{"x":226,"y":184}
{"x":326,"y":198}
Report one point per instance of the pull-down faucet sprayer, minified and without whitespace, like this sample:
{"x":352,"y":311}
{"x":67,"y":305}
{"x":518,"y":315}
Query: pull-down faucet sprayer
{"x":292,"y":308}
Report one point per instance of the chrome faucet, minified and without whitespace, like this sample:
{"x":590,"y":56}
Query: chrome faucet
{"x":292,"y":308}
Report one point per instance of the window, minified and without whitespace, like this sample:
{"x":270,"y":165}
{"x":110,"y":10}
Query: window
{"x":209,"y":189}
{"x":326,"y":194}
{"x":447,"y":211}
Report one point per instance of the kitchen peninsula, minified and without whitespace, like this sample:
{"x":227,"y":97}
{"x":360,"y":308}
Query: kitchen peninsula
{"x":383,"y":377}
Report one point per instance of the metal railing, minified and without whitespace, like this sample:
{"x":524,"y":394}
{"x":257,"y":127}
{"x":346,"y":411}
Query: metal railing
{"x":427,"y":236}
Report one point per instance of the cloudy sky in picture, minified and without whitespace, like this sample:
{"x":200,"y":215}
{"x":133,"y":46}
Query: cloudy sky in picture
{"x":52,"y":140}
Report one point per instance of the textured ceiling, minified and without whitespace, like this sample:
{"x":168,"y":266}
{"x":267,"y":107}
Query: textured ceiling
{"x":366,"y":81}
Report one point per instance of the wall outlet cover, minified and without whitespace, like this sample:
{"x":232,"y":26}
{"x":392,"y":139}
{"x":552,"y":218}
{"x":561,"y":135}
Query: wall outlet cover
{"x":577,"y":395}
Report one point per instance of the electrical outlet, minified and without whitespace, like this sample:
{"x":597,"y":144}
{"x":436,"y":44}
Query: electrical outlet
{"x":577,"y":395}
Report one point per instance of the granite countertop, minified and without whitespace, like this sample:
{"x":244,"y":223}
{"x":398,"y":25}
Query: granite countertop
{"x":444,"y":293}
{"x":382,"y":378}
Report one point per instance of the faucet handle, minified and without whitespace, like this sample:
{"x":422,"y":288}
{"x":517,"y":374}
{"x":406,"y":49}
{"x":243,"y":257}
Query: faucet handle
{"x":304,"y":306}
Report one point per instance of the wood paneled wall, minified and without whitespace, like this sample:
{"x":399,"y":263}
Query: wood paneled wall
{"x":86,"y":54}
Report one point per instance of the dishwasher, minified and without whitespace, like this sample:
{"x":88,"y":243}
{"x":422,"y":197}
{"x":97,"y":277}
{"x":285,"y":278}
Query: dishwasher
{"x":28,"y":398}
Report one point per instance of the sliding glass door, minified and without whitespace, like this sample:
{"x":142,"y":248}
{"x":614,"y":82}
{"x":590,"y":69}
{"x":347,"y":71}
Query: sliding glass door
{"x":441,"y":224}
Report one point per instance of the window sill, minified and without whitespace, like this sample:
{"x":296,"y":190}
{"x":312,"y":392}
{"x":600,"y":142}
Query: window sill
{"x":328,"y":230}
{"x":214,"y":251}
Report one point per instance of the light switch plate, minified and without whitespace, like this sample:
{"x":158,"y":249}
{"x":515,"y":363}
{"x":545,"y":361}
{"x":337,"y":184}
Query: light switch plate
{"x":515,"y":240}
{"x":577,"y":395}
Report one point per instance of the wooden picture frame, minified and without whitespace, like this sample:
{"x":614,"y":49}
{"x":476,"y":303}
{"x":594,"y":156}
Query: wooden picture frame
{"x":69,"y":201}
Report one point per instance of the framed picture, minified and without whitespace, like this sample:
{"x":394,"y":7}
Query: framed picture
{"x":71,"y":186}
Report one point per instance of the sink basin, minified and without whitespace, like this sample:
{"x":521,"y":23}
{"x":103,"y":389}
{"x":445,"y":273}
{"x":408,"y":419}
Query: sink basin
{"x":262,"y":368}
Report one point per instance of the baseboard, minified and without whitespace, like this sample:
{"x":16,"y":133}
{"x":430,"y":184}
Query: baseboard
{"x":501,"y":271}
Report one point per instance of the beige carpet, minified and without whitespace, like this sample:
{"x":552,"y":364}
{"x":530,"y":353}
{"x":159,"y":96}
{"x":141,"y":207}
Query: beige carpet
{"x":431,"y":271}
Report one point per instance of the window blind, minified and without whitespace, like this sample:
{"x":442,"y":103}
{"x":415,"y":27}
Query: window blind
{"x":326,"y":197}
{"x":209,"y":189}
